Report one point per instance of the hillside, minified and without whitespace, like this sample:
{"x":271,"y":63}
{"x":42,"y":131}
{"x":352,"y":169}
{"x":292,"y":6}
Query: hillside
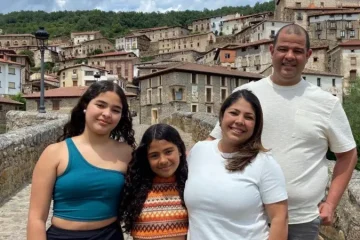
{"x":111,"y":24}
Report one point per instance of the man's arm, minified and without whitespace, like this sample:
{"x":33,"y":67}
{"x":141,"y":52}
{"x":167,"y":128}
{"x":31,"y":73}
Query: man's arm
{"x":343,"y":170}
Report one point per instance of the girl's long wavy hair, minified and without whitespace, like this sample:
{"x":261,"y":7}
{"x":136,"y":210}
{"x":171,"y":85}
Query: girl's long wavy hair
{"x":76,"y":125}
{"x":140,"y":177}
{"x":248,"y":150}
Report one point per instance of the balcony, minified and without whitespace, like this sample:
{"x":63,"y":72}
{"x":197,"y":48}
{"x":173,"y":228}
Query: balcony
{"x":74,"y":76}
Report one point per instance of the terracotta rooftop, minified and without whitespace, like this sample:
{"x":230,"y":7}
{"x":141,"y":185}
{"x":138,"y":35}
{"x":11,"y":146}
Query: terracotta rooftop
{"x":159,"y":66}
{"x":317,"y":8}
{"x":9,"y":62}
{"x":199,"y":68}
{"x":110,"y":54}
{"x":79,"y":65}
{"x":186,"y":36}
{"x":247,"y":16}
{"x":9,"y":101}
{"x":260,"y":42}
{"x":338,"y":12}
{"x":313,"y":72}
{"x":350,"y":43}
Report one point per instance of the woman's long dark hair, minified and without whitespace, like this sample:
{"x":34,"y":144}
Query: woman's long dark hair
{"x":140,"y":176}
{"x":76,"y":125}
{"x":246,"y":151}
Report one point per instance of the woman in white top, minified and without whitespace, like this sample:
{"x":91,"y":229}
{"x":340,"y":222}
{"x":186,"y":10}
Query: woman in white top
{"x":235,"y":187}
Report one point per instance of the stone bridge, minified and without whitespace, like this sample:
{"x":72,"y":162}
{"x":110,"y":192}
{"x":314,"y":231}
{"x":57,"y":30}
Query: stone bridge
{"x":29,"y":133}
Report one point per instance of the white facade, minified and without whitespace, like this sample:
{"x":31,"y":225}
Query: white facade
{"x":232,"y":26}
{"x":128,"y":44}
{"x":10,"y":79}
{"x":266,"y":30}
{"x":332,"y":84}
{"x":78,"y":39}
{"x":255,"y":58}
{"x":216,"y":22}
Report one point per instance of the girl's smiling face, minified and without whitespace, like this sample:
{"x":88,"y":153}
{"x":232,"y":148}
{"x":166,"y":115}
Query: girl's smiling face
{"x":164,"y":158}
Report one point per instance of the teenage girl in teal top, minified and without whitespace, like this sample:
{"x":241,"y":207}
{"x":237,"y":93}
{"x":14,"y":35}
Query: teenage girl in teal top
{"x":84,"y":172}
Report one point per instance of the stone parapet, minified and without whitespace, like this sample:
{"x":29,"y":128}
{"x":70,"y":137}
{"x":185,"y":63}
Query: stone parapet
{"x":21,"y":119}
{"x":347,"y":216}
{"x":21,"y":148}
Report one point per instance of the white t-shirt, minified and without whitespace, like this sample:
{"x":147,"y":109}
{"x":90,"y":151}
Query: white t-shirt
{"x":300,"y":123}
{"x":229,"y":205}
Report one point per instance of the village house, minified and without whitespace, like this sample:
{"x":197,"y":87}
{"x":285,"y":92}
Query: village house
{"x":10,"y":77}
{"x":83,"y":75}
{"x":85,"y":49}
{"x":214,"y":24}
{"x":135,"y":43}
{"x":49,"y":56}
{"x":154,"y":63}
{"x":24,"y":60}
{"x":235,"y":25}
{"x":335,"y":26}
{"x":158,"y":33}
{"x":330,"y":82}
{"x":207,"y":58}
{"x":344,"y":60}
{"x":17,"y":40}
{"x":318,"y":59}
{"x":299,"y":10}
{"x":187,"y":87}
{"x":253,"y":57}
{"x":117,"y":63}
{"x":50,"y":82}
{"x":59,"y":99}
{"x":6,"y":105}
{"x":182,"y":55}
{"x":197,"y":42}
{"x":79,"y":37}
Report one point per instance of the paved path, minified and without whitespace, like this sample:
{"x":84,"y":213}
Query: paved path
{"x":13,"y":214}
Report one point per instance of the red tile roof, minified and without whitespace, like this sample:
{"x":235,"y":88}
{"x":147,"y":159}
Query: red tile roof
{"x":193,"y":67}
{"x":110,"y":54}
{"x":350,"y":43}
{"x":187,"y":36}
{"x":260,"y":42}
{"x":9,"y":62}
{"x":334,"y":12}
{"x":313,"y":72}
{"x":9,"y":101}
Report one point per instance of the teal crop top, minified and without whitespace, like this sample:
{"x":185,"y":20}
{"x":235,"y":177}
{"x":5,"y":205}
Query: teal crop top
{"x":85,"y":192}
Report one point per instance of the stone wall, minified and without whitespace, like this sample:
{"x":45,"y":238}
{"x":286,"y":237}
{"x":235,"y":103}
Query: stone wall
{"x":347,"y":217}
{"x":20,"y":149}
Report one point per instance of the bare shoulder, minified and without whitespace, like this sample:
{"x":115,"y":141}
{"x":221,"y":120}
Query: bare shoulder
{"x":54,"y":153}
{"x":123,"y":150}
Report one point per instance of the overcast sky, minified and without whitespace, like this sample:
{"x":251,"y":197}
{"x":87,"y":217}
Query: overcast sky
{"x":119,"y":5}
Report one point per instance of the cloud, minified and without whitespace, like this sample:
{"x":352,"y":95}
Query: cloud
{"x":119,"y":5}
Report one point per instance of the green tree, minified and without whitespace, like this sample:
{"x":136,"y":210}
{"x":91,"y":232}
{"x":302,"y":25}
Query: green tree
{"x":95,"y":52}
{"x":19,"y":98}
{"x":352,"y":109}
{"x":30,"y":54}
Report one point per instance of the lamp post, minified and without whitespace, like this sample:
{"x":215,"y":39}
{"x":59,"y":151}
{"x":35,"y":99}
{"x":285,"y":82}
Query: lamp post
{"x":41,"y":39}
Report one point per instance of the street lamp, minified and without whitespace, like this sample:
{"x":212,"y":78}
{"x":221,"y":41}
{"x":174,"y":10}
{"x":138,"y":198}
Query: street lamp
{"x":41,"y":39}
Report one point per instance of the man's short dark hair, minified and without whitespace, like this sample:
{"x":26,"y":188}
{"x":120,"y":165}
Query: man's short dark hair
{"x":294,"y":29}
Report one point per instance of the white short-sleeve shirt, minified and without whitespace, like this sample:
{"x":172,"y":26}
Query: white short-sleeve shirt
{"x":230,"y":205}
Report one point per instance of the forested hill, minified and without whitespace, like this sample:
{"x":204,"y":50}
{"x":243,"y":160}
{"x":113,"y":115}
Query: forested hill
{"x":111,"y":24}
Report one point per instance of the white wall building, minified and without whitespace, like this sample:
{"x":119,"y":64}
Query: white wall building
{"x":79,"y":37}
{"x":329,"y":82}
{"x":266,"y":29}
{"x":10,"y":77}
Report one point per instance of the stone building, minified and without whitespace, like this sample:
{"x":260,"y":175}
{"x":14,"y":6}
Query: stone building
{"x":334,"y":25}
{"x":50,"y":82}
{"x":49,"y":56}
{"x":159,"y":33}
{"x":213,"y":24}
{"x":344,"y":60}
{"x":330,"y":82}
{"x":117,"y":63}
{"x":17,"y":40}
{"x":208,"y":58}
{"x":235,"y":25}
{"x":155,"y":63}
{"x":133,"y":43}
{"x":182,"y":55}
{"x":187,"y":87}
{"x":253,"y":57}
{"x":79,"y":37}
{"x":318,"y":59}
{"x":6,"y":105}
{"x":197,"y":42}
{"x":266,"y":29}
{"x":297,"y":11}
{"x":85,"y":49}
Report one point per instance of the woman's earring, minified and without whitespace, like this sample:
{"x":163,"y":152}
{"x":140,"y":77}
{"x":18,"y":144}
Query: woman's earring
{"x":84,"y":111}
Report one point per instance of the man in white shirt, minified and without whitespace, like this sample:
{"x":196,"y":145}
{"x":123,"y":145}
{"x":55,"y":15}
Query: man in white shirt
{"x":301,"y":122}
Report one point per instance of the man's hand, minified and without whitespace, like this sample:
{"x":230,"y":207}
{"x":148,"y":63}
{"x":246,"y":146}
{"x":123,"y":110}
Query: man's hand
{"x":326,"y":213}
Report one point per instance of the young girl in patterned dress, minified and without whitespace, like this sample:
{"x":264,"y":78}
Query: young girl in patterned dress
{"x":153,"y":198}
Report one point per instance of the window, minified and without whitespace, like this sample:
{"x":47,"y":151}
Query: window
{"x":298,"y":4}
{"x":160,"y":80}
{"x":304,"y":78}
{"x":148,"y":97}
{"x":160,"y":95}
{"x":74,"y":71}
{"x":223,"y":81}
{"x":193,"y":78}
{"x":227,"y":55}
{"x":334,"y":82}
{"x":321,"y":4}
{"x":332,"y":16}
{"x":12,"y":71}
{"x":194,"y":107}
{"x":11,"y":85}
{"x":149,"y":83}
{"x":353,"y":60}
{"x":75,"y":83}
{"x":13,"y":59}
{"x":237,"y":82}
{"x":223,"y":94}
{"x":352,"y":75}
{"x":63,"y":84}
{"x":89,"y":73}
{"x":209,"y":109}
{"x":352,"y":50}
{"x":352,"y":33}
{"x":315,"y":59}
{"x":332,"y":24}
{"x":55,"y":104}
{"x":208,"y":80}
{"x":319,"y":82}
{"x":1,"y":107}
{"x":208,"y":94}
{"x":342,"y":33}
